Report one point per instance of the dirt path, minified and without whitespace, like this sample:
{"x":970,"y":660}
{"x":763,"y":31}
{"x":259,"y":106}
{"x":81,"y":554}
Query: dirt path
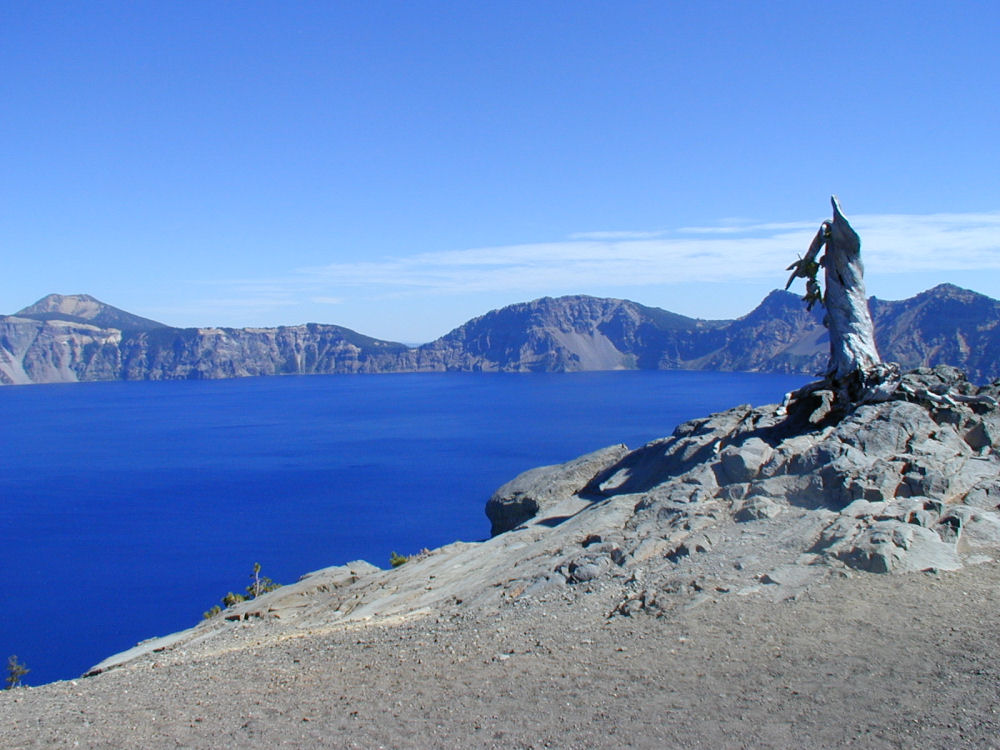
{"x":869,"y":661}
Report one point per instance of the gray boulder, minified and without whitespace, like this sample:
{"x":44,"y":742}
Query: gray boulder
{"x":890,"y":546}
{"x":528,"y":494}
{"x":742,"y":463}
{"x":757,"y":507}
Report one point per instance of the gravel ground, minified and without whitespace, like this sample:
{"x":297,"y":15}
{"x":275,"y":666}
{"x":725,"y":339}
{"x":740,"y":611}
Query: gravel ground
{"x":863,"y":660}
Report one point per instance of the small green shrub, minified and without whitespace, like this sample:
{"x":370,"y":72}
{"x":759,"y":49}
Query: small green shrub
{"x":15,"y":671}
{"x":232,"y":599}
{"x":210,"y":613}
{"x":396,"y":559}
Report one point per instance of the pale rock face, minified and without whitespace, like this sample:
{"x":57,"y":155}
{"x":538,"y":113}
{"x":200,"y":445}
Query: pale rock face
{"x":56,"y":351}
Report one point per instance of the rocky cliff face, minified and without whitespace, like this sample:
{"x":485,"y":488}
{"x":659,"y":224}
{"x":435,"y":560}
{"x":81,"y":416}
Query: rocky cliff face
{"x":68,"y":338}
{"x":56,"y":351}
{"x":945,"y":325}
{"x":571,"y":334}
{"x":241,"y":352}
{"x":64,"y":339}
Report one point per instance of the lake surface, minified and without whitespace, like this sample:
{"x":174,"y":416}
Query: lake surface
{"x":128,"y":509}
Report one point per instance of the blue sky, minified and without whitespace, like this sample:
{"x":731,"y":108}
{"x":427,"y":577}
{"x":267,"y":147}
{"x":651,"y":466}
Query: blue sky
{"x":400,"y":167}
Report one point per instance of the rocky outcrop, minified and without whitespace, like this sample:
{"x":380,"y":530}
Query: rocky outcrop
{"x":68,"y":338}
{"x":906,"y":485}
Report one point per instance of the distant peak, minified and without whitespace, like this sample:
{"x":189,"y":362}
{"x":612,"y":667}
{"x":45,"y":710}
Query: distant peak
{"x":948,"y":289}
{"x":778,"y":299}
{"x":71,"y":304}
{"x":82,"y":308}
{"x":780,"y":295}
{"x":944,"y":291}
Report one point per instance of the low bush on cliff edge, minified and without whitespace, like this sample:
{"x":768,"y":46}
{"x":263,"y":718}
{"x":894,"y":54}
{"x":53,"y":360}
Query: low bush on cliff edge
{"x":15,"y":672}
{"x":396,"y":559}
{"x":259,"y":585}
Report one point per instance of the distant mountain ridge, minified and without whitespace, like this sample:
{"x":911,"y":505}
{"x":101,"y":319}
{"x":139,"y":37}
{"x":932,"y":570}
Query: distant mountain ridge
{"x":76,"y":337}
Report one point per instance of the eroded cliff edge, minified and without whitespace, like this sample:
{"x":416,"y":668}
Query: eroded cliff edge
{"x":750,"y":501}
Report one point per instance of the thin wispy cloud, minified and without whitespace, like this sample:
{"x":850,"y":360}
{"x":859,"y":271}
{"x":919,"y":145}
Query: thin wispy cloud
{"x":739,"y":227}
{"x":570,"y":262}
{"x":957,"y":242}
{"x":593,"y":260}
{"x":617,"y":235}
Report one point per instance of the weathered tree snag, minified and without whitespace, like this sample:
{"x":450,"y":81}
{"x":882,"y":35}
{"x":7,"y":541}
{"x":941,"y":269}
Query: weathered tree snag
{"x":852,"y":334}
{"x":855,"y":373}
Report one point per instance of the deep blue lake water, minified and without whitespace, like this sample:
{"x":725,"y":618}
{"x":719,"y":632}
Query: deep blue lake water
{"x":128,"y":509}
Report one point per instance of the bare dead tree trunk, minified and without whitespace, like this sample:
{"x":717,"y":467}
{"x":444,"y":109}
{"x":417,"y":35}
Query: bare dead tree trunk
{"x":852,"y":334}
{"x":855,"y":373}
